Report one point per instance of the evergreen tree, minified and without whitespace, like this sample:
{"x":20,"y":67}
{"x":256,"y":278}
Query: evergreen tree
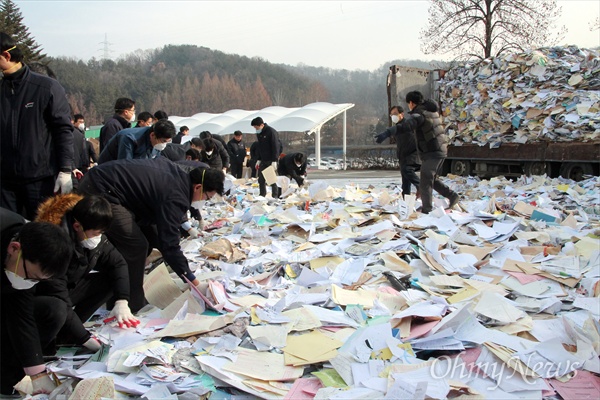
{"x":11,"y":22}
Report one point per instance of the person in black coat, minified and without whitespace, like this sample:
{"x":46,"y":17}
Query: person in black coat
{"x":406,"y":148}
{"x":214,"y":154}
{"x":144,"y":193}
{"x":183,"y":131}
{"x":35,"y":132}
{"x":294,"y":167}
{"x":269,"y":148}
{"x":124,"y":115}
{"x":30,"y":252}
{"x":97,"y":271}
{"x":237,"y":154}
{"x":220,"y":144}
{"x":253,"y":158}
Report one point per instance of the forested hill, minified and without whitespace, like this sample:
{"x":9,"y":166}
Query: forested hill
{"x":185,"y":79}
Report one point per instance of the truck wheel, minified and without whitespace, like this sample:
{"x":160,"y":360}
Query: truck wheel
{"x":461,"y":167}
{"x":536,"y":168}
{"x":575,"y":171}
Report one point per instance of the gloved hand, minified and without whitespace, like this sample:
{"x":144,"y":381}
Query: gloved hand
{"x":257,"y":164}
{"x":378,"y":138}
{"x":300,"y":181}
{"x":92,"y":344}
{"x":63,"y":183}
{"x":274,"y":165}
{"x":42,"y":383}
{"x":123,"y":315}
{"x":193,"y":232}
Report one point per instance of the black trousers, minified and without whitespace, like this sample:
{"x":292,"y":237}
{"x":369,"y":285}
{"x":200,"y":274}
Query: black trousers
{"x":429,"y":182}
{"x":409,"y":176}
{"x":262,"y":183}
{"x":25,"y":198}
{"x":236,"y":170}
{"x":50,"y":314}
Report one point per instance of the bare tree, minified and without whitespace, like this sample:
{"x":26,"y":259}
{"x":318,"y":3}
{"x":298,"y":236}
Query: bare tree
{"x":594,"y":26}
{"x":484,"y":28}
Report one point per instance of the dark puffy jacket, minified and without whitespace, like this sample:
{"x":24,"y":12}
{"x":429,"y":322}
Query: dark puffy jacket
{"x":237,"y":151}
{"x":432,"y":141}
{"x":35,"y":127}
{"x":406,"y":142}
{"x":287,"y":166}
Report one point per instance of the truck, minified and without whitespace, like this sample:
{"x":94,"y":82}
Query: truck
{"x":573,"y":159}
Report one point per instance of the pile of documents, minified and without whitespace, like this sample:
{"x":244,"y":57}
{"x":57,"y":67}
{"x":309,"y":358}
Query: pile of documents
{"x":349,"y":293}
{"x":549,"y":94}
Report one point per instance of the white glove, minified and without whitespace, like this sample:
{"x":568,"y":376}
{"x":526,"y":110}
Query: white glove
{"x":257,"y":164}
{"x":274,"y":165}
{"x":42,"y":383}
{"x":193,"y":232}
{"x":123,"y":315}
{"x":92,"y":344}
{"x":64,"y":183}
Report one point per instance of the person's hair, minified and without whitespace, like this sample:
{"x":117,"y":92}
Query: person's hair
{"x":42,"y":69}
{"x":194,"y":154}
{"x":210,"y":179}
{"x":299,"y":157}
{"x":399,"y":108}
{"x":160,"y":114}
{"x":258,"y":121}
{"x":197,"y":142}
{"x":414,"y":96}
{"x":209,"y":144}
{"x":93,"y":212}
{"x":237,"y":133}
{"x":78,"y":116}
{"x":7,"y":42}
{"x":163,"y":129}
{"x":122,"y":104}
{"x":144,"y":116}
{"x":205,"y":135}
{"x":184,"y":128}
{"x":46,"y":244}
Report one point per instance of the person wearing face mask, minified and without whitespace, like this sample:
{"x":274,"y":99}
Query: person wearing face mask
{"x":220,"y":148}
{"x":97,"y":271}
{"x":31,"y":252}
{"x":237,"y":154}
{"x":269,"y":149}
{"x":210,"y":154}
{"x":139,"y":142}
{"x":294,"y":167}
{"x":150,"y":193}
{"x":122,"y":119}
{"x":406,"y":148}
{"x":36,"y":156}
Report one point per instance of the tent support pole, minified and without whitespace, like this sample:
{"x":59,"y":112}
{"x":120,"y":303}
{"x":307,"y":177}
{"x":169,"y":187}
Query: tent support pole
{"x":344,"y":141}
{"x":318,"y":147}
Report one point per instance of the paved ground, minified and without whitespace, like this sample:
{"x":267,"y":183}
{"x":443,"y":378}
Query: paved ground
{"x":366,"y":176}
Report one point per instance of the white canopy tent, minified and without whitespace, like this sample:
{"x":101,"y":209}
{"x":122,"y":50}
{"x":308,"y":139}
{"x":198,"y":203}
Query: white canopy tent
{"x":308,"y":119}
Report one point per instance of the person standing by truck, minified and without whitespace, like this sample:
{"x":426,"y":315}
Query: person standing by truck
{"x":432,"y":145}
{"x":406,"y":148}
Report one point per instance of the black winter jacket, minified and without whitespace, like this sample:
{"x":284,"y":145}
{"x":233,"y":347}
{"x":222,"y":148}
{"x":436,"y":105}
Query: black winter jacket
{"x":432,"y":141}
{"x":35,"y":127}
{"x":406,"y":142}
{"x":111,"y":128}
{"x":269,"y":145}
{"x":157,"y":192}
{"x":17,"y":314}
{"x":287,"y":166}
{"x":237,"y":151}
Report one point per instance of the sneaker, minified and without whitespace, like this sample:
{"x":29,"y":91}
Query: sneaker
{"x":454,"y":198}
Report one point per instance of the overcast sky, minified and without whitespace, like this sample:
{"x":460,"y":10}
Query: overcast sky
{"x":335,"y":34}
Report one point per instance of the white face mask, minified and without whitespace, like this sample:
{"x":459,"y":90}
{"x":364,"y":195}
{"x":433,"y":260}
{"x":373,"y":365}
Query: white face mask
{"x":91,"y":243}
{"x":209,"y":153}
{"x":160,"y":146}
{"x":132,"y":119}
{"x":395,"y":119}
{"x":18,"y":282}
{"x":298,"y":165}
{"x":198,"y":204}
{"x":81,"y":127}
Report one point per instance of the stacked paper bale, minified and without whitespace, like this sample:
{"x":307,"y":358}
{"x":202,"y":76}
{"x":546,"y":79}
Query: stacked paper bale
{"x":549,"y":94}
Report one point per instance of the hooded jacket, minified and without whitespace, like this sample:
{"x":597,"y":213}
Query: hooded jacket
{"x":432,"y":141}
{"x":105,"y":259}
